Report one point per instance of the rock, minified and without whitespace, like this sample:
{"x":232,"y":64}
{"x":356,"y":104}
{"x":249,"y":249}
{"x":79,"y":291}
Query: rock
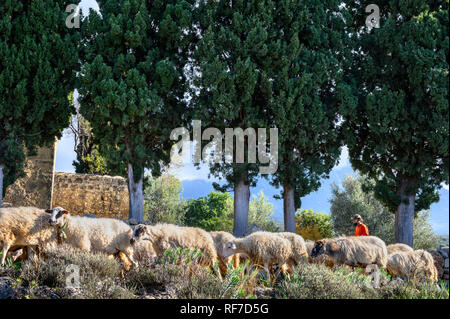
{"x":445,"y":249}
{"x":443,"y":253}
{"x":446,"y":263}
{"x":264,"y":292}
{"x":7,"y":290}
{"x":5,"y":205}
{"x":132,"y":221}
{"x":438,"y":262}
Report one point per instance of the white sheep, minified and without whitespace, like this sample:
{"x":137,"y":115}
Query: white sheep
{"x":141,"y":253}
{"x":299,"y":251}
{"x":393,"y":248}
{"x":412,"y":264}
{"x":167,"y":236}
{"x":263,"y":248}
{"x":90,"y":234}
{"x":354,"y":251}
{"x":25,"y":227}
{"x":220,"y":239}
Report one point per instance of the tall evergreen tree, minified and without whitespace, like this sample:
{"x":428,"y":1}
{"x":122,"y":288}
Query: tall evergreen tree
{"x":132,"y":83}
{"x":399,"y":131}
{"x":308,"y":52}
{"x":38,"y":64}
{"x":231,"y":63}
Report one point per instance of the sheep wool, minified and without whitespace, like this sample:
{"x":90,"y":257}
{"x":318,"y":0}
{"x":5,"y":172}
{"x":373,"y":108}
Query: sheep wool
{"x":220,"y":239}
{"x":398,"y":247}
{"x":418,"y":264}
{"x":355,"y":251}
{"x":25,"y":227}
{"x":263,"y":249}
{"x":167,"y":236}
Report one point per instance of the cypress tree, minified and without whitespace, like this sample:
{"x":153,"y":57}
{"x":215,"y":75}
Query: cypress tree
{"x":309,"y":49}
{"x":132,"y":83}
{"x":232,"y":62}
{"x":38,"y":64}
{"x":398,"y":133}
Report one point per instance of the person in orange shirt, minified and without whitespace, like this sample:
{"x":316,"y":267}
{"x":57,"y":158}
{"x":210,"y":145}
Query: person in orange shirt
{"x":361,"y":229}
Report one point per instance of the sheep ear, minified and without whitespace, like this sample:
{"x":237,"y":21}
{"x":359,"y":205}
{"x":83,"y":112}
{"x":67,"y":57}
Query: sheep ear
{"x":49,"y":211}
{"x":64,"y":212}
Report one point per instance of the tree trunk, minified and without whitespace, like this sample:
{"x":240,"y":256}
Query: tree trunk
{"x":241,"y":205}
{"x":1,"y":184}
{"x":136,"y":191}
{"x":404,"y":217}
{"x":289,"y":209}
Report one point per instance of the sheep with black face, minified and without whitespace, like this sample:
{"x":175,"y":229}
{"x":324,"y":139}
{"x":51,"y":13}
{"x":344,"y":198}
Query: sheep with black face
{"x":353,"y":251}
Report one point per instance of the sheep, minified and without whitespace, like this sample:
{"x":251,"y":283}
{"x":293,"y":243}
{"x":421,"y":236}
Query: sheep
{"x":220,"y":239}
{"x":353,"y":251}
{"x":263,"y":248}
{"x":393,"y":248}
{"x":322,"y":259}
{"x":309,"y":246}
{"x":299,"y":251}
{"x":25,"y":227}
{"x":90,"y":234}
{"x":412,"y":264}
{"x":167,"y":236}
{"x":141,"y":253}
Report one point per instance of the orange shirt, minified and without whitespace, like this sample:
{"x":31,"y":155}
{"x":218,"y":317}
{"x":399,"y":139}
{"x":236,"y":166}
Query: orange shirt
{"x":361,"y":230}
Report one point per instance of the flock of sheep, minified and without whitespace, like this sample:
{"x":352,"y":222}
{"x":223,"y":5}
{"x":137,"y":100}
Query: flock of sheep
{"x":30,"y":230}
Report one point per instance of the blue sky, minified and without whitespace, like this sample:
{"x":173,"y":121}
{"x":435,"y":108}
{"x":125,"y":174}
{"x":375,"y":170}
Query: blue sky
{"x":197,"y":183}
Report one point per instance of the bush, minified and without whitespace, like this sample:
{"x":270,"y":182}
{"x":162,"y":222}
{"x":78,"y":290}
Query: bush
{"x":316,"y":281}
{"x":399,"y":289}
{"x":99,"y":275}
{"x":162,"y":200}
{"x":313,"y":225}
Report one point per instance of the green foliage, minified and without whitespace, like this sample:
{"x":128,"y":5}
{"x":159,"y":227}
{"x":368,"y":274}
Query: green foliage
{"x":309,"y":140}
{"x":313,"y":225}
{"x":132,"y":83}
{"x":398,"y":131}
{"x":444,"y":240}
{"x":214,"y":212}
{"x":311,"y":281}
{"x":352,"y":199}
{"x":38,"y":64}
{"x":260,"y":213}
{"x":162,"y":200}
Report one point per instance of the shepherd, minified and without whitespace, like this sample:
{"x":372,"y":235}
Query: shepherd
{"x":361,"y":229}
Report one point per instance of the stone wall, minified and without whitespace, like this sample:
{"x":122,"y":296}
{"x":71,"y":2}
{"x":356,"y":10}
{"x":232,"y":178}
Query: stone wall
{"x":81,"y":194}
{"x":35,"y":189}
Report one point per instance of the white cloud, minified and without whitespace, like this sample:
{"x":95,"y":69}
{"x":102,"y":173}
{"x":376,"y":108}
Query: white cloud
{"x":343,"y":159}
{"x":445,"y":186}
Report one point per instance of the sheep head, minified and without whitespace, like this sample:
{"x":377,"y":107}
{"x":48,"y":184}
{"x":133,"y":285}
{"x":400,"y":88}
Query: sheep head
{"x":229,"y":249}
{"x":324,"y":247}
{"x":58,"y":216}
{"x":140,"y":232}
